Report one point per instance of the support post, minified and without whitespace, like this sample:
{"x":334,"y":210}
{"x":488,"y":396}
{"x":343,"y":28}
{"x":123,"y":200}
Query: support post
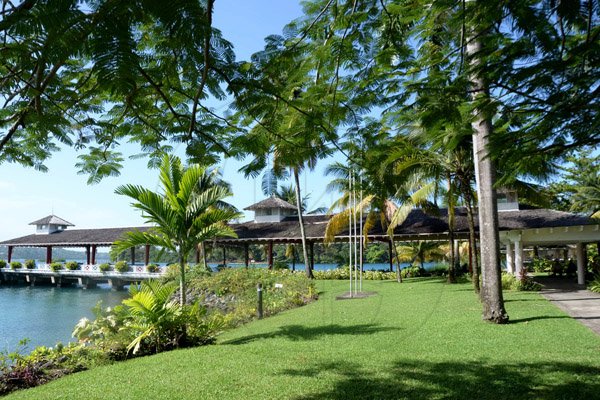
{"x":312,"y":256}
{"x":48,"y":254}
{"x":519,"y":258}
{"x":510,"y":259}
{"x":198,"y":253}
{"x":10,"y":251}
{"x":259,"y":308}
{"x":147,"y":255}
{"x":87,"y":254}
{"x":391,"y":256}
{"x":224,"y":256}
{"x":246,"y":255}
{"x":580,"y":264}
{"x":133,"y":255}
{"x":94,"y":248}
{"x":270,"y":255}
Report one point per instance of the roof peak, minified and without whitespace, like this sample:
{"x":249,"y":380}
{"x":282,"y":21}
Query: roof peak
{"x":51,"y":220}
{"x":272,"y":201}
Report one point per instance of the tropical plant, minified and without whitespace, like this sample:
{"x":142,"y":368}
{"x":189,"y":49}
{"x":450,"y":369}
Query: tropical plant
{"x":418,"y":252}
{"x":189,"y":211}
{"x":72,"y":265}
{"x":56,"y":266}
{"x":30,"y":264}
{"x":2,"y":263}
{"x":121,"y":266}
{"x":104,"y":267}
{"x":594,"y":285}
{"x":16,"y":265}
{"x":152,"y":268}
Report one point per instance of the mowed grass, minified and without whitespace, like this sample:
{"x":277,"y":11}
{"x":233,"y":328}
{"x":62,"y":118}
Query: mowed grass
{"x":416,"y":340}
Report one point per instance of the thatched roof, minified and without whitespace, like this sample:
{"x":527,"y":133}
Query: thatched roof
{"x":51,"y":220}
{"x":271,"y":202}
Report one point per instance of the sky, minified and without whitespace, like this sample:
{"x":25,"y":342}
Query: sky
{"x":27,"y":195}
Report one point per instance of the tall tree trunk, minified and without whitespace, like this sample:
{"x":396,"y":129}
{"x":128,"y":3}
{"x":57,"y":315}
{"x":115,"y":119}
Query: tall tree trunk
{"x":308,"y":269}
{"x":491,"y":284}
{"x":398,"y":267}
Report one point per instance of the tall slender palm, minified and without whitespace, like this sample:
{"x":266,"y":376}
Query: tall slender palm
{"x":188,"y":211}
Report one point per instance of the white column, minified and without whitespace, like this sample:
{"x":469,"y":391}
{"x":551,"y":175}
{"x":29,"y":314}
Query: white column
{"x":519,"y":258}
{"x":580,"y":264}
{"x":510,"y":258}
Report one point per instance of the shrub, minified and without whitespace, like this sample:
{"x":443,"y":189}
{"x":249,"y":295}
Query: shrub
{"x":152,"y":268}
{"x":72,"y":265}
{"x":413,"y":272}
{"x":439,"y":270}
{"x":30,"y":264}
{"x":16,"y":265}
{"x":542,"y":265}
{"x":104,"y":267}
{"x":594,"y":285}
{"x":2,"y":264}
{"x":278,"y":265}
{"x":121,"y":266}
{"x":56,"y":266}
{"x":525,"y":284}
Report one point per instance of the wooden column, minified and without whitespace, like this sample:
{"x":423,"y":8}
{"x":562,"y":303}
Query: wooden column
{"x":87,"y":254}
{"x":10,"y":251}
{"x":312,"y":256}
{"x":224,"y":255}
{"x":198,"y":253}
{"x":246,"y":255}
{"x":147,"y":255}
{"x":94,"y":247}
{"x":133,"y":255}
{"x":270,"y":255}
{"x":391,"y":255}
{"x":48,"y":254}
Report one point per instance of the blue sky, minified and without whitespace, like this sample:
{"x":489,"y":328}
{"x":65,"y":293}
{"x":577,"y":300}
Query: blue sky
{"x":27,"y":195}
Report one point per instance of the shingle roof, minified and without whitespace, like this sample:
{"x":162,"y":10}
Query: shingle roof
{"x":73,"y":238}
{"x":51,"y":220}
{"x":418,"y":225}
{"x":271,"y":202}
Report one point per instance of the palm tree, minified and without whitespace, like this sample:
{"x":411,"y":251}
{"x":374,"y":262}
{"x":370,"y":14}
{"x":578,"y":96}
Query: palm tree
{"x":190,"y":210}
{"x":420,"y":252}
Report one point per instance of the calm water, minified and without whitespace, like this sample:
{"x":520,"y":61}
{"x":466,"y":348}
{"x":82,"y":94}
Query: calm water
{"x":46,"y":315}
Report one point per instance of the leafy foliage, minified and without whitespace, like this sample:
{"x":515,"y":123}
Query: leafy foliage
{"x":121,"y":266}
{"x":30,"y":264}
{"x":72,"y":265}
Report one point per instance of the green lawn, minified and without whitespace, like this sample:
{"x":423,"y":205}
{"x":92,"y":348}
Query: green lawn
{"x":416,"y":340}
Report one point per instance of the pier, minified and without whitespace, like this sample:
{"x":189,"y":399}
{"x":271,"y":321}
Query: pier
{"x":88,"y":277}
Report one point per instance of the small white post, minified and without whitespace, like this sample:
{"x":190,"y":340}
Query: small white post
{"x":580,"y":264}
{"x":510,"y":258}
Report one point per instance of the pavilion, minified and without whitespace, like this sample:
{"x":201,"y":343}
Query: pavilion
{"x":276,"y":223}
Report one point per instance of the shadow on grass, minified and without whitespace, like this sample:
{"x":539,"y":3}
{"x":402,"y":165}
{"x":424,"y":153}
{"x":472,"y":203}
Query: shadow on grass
{"x":299,"y":332}
{"x":539,"y":317}
{"x":455,"y":380}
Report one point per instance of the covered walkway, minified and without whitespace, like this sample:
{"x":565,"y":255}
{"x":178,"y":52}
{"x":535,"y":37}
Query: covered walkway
{"x":579,"y":303}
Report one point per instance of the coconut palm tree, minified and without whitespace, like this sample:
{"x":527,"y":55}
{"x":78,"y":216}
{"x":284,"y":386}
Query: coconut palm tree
{"x":188,"y":211}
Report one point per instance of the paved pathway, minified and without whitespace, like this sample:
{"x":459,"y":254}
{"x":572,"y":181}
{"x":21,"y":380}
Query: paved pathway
{"x":583,"y":305}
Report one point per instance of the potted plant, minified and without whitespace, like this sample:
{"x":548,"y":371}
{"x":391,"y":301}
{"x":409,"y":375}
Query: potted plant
{"x":121,"y":266}
{"x":152,"y":268}
{"x":2,"y":264}
{"x":72,"y":265}
{"x":30,"y":264}
{"x":16,"y":265}
{"x":104,"y":267}
{"x":56,"y":266}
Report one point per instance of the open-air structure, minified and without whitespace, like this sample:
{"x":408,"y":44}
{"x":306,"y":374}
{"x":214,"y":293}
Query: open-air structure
{"x":276,"y":223}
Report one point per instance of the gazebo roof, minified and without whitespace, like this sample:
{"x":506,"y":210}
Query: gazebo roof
{"x":271,"y":202}
{"x":51,"y":220}
{"x":73,"y":238}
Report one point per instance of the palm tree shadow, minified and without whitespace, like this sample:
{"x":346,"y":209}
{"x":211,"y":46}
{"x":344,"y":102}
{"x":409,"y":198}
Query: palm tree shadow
{"x":540,"y":317}
{"x":300,"y":332}
{"x":453,"y":380}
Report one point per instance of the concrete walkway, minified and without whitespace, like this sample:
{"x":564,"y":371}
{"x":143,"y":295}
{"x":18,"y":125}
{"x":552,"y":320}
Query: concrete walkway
{"x":575,"y":300}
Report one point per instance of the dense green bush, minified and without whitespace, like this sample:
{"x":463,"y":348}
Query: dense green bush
{"x":56,"y":266}
{"x":152,"y":268}
{"x":594,"y":285}
{"x":438,"y":270}
{"x":413,"y":272}
{"x":30,"y":264}
{"x":525,"y":284}
{"x":343,"y":273}
{"x":542,"y":265}
{"x":2,"y":264}
{"x":121,"y":266}
{"x":72,"y":265}
{"x":16,"y":265}
{"x":104,"y":267}
{"x":277,"y":265}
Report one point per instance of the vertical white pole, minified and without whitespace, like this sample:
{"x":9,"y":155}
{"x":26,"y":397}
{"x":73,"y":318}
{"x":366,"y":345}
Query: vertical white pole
{"x":580,"y":264}
{"x":355,"y":231}
{"x":362,"y":239}
{"x":350,"y":229}
{"x":519,"y":258}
